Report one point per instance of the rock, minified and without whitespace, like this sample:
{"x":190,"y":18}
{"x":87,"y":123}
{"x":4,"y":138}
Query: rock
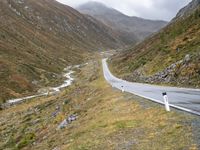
{"x":54,"y":114}
{"x":45,"y":137}
{"x":63,"y":124}
{"x":56,"y":148}
{"x":35,"y":82}
{"x":67,"y":121}
{"x":36,"y":121}
{"x":187,"y":58}
{"x":43,"y":90}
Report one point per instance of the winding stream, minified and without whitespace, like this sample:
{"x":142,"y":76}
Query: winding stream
{"x":53,"y":90}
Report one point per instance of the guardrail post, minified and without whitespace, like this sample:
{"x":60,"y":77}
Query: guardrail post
{"x":165,"y":97}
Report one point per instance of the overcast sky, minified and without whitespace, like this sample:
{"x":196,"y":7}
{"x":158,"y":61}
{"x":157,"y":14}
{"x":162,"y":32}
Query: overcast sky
{"x":150,"y":9}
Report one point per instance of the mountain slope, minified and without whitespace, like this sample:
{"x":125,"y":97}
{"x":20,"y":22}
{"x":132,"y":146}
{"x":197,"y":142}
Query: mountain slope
{"x":188,"y":10}
{"x":170,"y":57}
{"x":131,"y":29}
{"x":39,"y":38}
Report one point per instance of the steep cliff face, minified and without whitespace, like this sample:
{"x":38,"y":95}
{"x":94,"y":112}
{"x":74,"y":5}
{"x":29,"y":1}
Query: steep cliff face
{"x":130,"y":29}
{"x":172,"y":56}
{"x":38,"y":38}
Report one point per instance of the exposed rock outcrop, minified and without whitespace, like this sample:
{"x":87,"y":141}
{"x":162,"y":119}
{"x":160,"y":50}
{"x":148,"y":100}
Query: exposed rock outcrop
{"x":182,"y":72}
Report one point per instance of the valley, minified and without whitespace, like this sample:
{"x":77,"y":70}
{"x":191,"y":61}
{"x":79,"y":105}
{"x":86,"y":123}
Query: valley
{"x":131,"y":30}
{"x":38,"y":39}
{"x":89,"y":77}
{"x":106,"y":119}
{"x":170,"y":57}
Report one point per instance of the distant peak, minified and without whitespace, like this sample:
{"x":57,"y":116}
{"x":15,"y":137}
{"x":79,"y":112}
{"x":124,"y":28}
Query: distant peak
{"x":93,"y":3}
{"x":97,"y":8}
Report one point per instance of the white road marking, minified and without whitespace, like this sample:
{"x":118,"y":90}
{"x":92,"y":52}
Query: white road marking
{"x":189,"y":98}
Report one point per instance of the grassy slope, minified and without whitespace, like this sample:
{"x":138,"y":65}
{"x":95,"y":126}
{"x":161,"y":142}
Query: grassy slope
{"x":39,"y":38}
{"x":107,"y":119}
{"x":160,"y":51}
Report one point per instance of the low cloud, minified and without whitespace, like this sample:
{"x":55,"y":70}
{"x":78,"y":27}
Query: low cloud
{"x":149,"y":9}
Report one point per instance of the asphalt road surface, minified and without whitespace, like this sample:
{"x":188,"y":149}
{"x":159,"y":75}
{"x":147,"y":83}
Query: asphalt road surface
{"x":180,"y":98}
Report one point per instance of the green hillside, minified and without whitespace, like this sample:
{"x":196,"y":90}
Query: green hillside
{"x":170,"y":57}
{"x":40,"y":38}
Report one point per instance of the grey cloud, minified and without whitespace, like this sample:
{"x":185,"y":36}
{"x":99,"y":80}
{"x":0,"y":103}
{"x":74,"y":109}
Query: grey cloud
{"x":149,"y":9}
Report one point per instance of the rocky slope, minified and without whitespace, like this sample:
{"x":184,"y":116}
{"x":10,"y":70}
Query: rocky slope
{"x":188,"y":10}
{"x":39,"y":38}
{"x":130,"y":29}
{"x":170,"y":57}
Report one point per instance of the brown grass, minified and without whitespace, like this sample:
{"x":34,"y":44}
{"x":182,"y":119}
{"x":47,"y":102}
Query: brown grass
{"x":107,"y":119}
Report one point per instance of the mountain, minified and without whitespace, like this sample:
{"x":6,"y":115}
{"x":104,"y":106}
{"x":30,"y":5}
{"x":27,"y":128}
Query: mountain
{"x":170,"y":57}
{"x":188,"y":10}
{"x":39,"y":38}
{"x":130,"y":29}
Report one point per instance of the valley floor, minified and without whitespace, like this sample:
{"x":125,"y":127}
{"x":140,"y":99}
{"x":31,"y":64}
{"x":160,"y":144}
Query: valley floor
{"x":106,"y":119}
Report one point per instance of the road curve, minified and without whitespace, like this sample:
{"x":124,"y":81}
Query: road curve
{"x":180,"y":98}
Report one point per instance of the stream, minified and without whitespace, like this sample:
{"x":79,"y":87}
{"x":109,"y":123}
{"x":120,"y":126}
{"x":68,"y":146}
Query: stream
{"x":54,"y":90}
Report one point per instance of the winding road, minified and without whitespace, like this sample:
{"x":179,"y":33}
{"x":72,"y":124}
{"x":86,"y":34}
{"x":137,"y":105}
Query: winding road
{"x":180,"y":98}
